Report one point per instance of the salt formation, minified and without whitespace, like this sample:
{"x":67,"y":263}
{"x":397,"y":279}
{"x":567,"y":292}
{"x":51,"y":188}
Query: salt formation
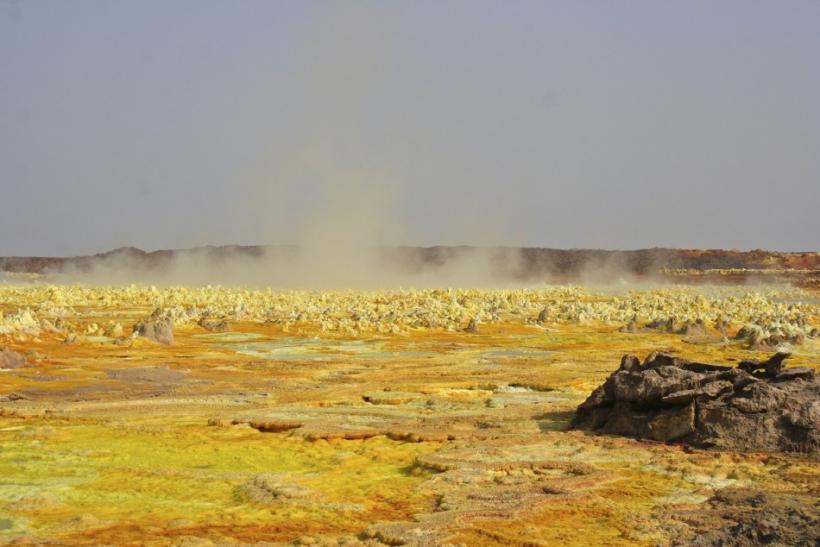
{"x":347,"y":313}
{"x":771,"y":334}
{"x":23,"y":321}
{"x":159,"y":328}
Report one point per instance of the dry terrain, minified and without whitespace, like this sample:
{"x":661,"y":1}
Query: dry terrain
{"x":368,"y":418}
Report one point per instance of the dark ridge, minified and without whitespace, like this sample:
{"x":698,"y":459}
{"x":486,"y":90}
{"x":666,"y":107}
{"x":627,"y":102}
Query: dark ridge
{"x":530,"y":262}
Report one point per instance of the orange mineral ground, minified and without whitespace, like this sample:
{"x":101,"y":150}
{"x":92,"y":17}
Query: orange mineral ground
{"x":369,"y":418}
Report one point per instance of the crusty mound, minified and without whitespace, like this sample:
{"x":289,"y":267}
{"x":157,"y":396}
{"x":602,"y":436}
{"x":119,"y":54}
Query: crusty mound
{"x":759,"y":406}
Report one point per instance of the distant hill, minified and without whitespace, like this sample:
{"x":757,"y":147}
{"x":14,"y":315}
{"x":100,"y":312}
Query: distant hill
{"x":531,"y":262}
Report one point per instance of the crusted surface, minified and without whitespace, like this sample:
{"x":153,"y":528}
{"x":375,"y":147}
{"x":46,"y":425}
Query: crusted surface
{"x":288,"y":428}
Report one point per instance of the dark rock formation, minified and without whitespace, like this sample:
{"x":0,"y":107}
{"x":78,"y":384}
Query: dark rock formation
{"x":772,"y":366}
{"x":744,"y":518}
{"x":667,"y":398}
{"x":157,"y":328}
{"x":11,"y":359}
{"x":531,"y":263}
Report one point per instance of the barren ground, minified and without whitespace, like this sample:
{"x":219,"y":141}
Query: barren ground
{"x":298,"y":425}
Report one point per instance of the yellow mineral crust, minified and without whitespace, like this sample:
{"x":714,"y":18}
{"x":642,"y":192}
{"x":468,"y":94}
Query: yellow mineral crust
{"x":360,"y":418}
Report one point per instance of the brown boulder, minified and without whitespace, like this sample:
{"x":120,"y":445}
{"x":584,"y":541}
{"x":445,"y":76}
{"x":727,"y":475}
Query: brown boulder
{"x":672,"y":399}
{"x":159,"y":330}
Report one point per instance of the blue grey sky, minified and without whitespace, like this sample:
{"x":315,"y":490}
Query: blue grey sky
{"x":175,"y":123}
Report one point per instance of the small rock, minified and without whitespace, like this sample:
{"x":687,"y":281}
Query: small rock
{"x":158,"y":330}
{"x":772,"y":367}
{"x":215,"y":325}
{"x":631,"y":327}
{"x":472,"y":326}
{"x":11,"y":359}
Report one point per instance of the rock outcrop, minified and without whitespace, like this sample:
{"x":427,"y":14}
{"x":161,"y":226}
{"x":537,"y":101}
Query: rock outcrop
{"x":157,"y":328}
{"x":754,"y":406}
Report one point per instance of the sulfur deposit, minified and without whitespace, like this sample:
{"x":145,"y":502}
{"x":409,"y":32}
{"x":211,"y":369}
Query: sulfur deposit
{"x":222,"y":415}
{"x":768,"y":317}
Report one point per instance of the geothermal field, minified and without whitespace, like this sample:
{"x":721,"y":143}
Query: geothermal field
{"x":209,"y":415}
{"x":531,"y":273}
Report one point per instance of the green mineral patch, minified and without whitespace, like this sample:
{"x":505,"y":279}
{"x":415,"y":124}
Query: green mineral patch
{"x":152,"y":474}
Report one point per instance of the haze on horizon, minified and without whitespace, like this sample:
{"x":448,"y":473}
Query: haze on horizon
{"x":331,"y":124}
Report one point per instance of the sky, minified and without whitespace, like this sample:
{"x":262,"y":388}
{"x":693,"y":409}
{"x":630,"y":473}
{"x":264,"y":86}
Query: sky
{"x":619,"y":125}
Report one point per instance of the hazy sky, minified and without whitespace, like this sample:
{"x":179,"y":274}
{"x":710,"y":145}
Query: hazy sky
{"x":176,"y":123}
